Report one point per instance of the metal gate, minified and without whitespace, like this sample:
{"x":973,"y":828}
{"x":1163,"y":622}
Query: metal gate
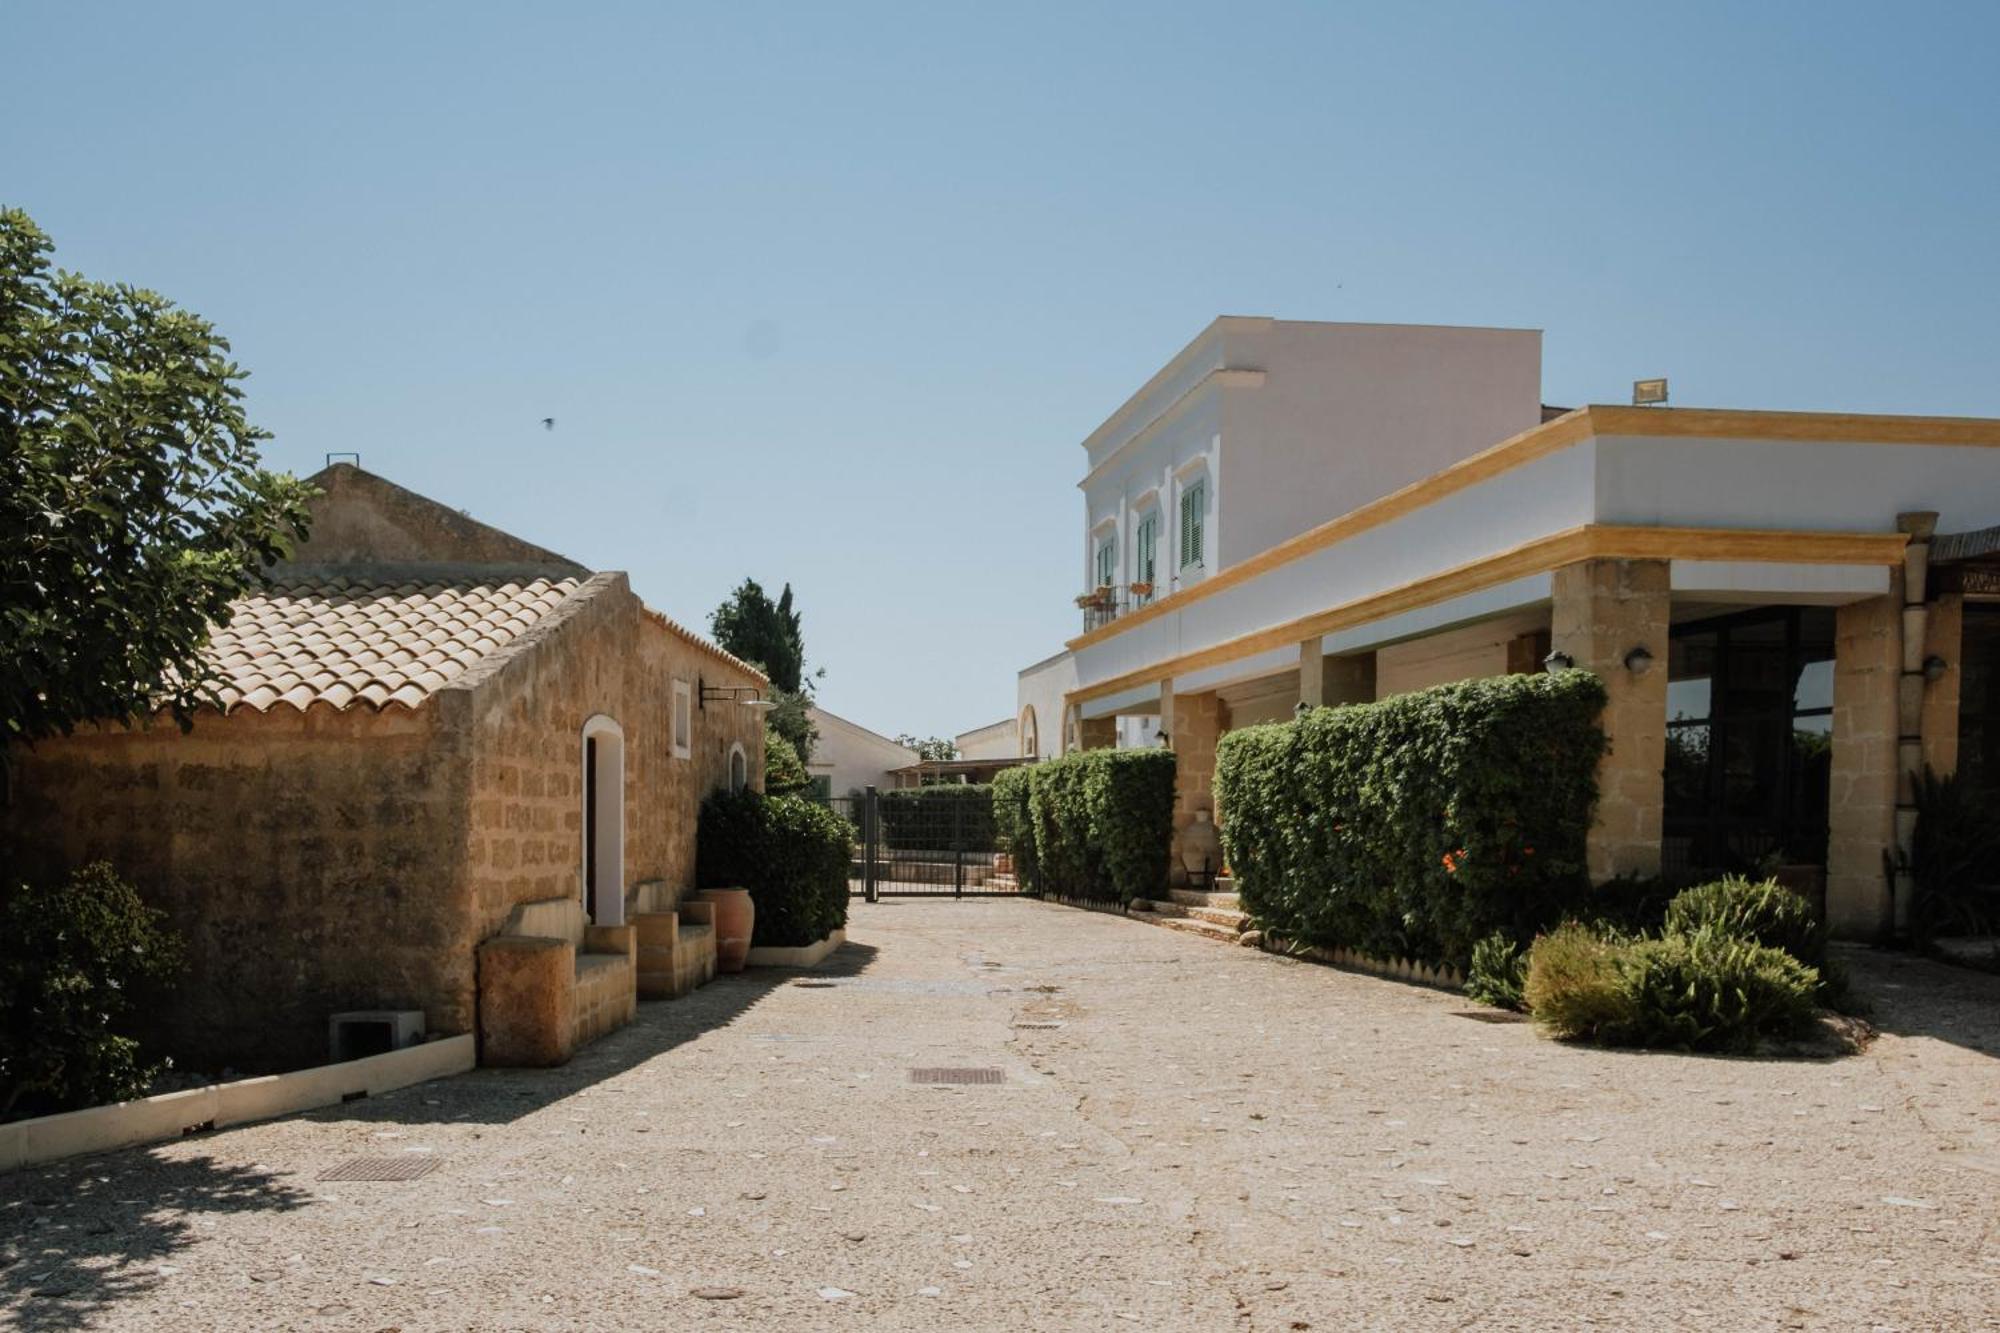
{"x":925,"y":842}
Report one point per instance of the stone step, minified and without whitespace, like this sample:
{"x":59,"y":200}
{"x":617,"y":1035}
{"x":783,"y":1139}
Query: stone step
{"x":1203,"y":898}
{"x":1227,"y":918}
{"x":1192,"y":926}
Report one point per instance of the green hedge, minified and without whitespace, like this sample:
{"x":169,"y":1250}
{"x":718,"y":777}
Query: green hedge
{"x":1103,"y":824}
{"x":791,"y":853}
{"x":1013,"y":822}
{"x":1416,"y":826}
{"x":947,"y":817}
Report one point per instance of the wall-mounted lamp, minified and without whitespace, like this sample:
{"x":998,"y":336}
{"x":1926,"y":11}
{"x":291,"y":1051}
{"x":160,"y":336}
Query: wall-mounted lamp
{"x":1935,"y":667}
{"x":1557,"y":661}
{"x":1639,"y":661}
{"x":1301,"y":708}
{"x":1165,"y":741}
{"x":732,"y":692}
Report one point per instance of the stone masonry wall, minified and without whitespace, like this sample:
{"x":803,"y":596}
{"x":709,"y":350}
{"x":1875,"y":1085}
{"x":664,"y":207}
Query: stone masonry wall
{"x":1602,"y":610}
{"x":309,"y":861}
{"x":525,"y":736}
{"x":1861,"y":804}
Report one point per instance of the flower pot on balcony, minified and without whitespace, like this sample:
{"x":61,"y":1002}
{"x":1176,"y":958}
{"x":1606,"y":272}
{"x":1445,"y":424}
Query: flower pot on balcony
{"x":735,"y":922}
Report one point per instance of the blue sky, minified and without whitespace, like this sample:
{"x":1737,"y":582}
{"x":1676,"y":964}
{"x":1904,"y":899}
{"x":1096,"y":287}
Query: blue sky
{"x":830,"y":294}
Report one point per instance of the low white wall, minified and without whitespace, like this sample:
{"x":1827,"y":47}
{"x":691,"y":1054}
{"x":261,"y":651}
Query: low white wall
{"x":170,"y":1115}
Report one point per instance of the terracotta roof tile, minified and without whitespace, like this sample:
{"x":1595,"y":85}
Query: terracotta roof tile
{"x":341,"y":641}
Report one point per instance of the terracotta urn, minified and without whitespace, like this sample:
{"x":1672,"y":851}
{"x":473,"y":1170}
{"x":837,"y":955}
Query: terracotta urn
{"x":735,"y":920}
{"x":1201,"y":850}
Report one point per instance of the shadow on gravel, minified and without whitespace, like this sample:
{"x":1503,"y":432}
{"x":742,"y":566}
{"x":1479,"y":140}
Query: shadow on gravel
{"x":499,"y":1096}
{"x":1917,"y":997}
{"x":78,"y":1237}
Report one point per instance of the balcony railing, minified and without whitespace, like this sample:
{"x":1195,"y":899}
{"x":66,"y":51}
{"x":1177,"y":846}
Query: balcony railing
{"x":1102,"y":605}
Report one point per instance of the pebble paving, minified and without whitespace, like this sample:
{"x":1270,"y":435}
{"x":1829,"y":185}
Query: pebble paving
{"x":1186,"y":1135}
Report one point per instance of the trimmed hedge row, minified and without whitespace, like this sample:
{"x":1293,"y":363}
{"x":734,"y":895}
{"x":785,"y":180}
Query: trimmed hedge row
{"x":791,"y":853}
{"x":1014,"y":824}
{"x":947,"y":817}
{"x":1416,"y":826}
{"x":1103,"y":823}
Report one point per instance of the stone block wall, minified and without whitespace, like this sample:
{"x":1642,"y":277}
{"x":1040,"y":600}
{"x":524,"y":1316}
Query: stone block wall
{"x":1198,"y":723}
{"x":1603,"y":609}
{"x":524,"y":733}
{"x":310,"y":862}
{"x":1861,"y":802}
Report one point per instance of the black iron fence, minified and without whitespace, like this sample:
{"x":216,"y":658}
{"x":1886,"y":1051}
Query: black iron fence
{"x":935,"y":842}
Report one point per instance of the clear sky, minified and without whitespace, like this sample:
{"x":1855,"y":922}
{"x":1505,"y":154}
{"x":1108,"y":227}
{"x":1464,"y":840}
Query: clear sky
{"x":830,"y":293}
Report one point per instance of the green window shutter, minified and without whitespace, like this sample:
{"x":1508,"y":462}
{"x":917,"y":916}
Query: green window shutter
{"x":1194,"y":501}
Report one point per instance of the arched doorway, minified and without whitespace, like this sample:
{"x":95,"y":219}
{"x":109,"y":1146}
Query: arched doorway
{"x":604,"y":821}
{"x":1030,"y":739}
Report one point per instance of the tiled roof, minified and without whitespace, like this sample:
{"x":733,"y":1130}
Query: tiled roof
{"x":359,"y":641}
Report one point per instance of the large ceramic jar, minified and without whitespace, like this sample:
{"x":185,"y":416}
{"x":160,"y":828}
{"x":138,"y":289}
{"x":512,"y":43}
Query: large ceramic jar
{"x":1201,"y":850}
{"x":735,"y":920}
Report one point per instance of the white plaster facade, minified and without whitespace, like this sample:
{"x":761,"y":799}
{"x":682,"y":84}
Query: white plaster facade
{"x":995,"y":740}
{"x":850,"y":757}
{"x":1383,"y":508}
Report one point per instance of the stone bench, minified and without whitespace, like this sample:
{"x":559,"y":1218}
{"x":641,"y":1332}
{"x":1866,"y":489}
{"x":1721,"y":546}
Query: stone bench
{"x":550,"y":983}
{"x":676,"y":947}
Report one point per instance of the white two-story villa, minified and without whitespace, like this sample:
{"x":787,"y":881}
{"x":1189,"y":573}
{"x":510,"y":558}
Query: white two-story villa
{"x":1792,"y":611}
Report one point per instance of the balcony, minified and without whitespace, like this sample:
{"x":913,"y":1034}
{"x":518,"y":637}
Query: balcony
{"x":1106,"y":603}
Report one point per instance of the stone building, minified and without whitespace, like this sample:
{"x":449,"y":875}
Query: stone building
{"x":433,"y":734}
{"x":1792,"y":611}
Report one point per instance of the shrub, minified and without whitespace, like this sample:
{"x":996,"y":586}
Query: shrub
{"x":1762,"y":911}
{"x":1951,"y":849}
{"x":1572,"y":984}
{"x":1710,"y":990}
{"x":946,"y":818}
{"x":1498,"y":971}
{"x":1702,"y":990}
{"x":78,"y":956}
{"x":1103,"y":823}
{"x":1633,"y":904}
{"x":1013,"y":824}
{"x":784,"y":772}
{"x":791,"y":853}
{"x":1416,"y":826}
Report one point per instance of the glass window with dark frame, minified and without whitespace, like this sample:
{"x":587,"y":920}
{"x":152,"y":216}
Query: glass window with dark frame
{"x":1749,"y":741}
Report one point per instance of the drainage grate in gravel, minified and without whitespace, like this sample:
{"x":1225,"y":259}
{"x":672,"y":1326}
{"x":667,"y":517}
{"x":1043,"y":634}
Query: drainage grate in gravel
{"x":1490,"y":1015}
{"x":1037,"y":1024}
{"x":383,"y":1168}
{"x":955,"y":1076}
{"x":812,"y":983}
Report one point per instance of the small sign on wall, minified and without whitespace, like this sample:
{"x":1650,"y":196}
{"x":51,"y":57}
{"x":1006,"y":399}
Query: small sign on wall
{"x":1649,"y":393}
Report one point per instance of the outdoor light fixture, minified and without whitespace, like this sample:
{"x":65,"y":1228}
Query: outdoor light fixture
{"x":1166,"y":742}
{"x":1557,"y":661}
{"x":1639,"y":661}
{"x":1935,"y":667}
{"x":735,"y":692}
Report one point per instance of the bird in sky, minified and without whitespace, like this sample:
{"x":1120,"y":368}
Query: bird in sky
{"x":548,"y":423}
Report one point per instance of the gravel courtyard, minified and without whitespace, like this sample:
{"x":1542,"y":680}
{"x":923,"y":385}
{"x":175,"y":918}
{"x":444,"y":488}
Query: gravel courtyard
{"x":1187,"y":1136}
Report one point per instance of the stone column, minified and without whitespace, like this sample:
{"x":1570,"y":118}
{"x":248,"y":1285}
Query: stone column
{"x":1944,"y":639}
{"x":1861,"y":801}
{"x":1604,"y":609}
{"x":1312,"y":691}
{"x":1199,"y":721}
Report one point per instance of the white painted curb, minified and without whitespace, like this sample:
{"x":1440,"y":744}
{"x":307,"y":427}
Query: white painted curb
{"x":805,"y":955}
{"x":172,"y":1114}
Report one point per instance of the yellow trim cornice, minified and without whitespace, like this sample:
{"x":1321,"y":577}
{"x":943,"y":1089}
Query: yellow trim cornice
{"x":1592,"y":542}
{"x":1571,"y":428}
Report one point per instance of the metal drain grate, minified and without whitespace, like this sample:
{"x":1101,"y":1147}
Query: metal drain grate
{"x":955,"y":1076}
{"x":1490,"y":1015}
{"x":383,"y":1168}
{"x":1038,"y":1024}
{"x":811,"y":983}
